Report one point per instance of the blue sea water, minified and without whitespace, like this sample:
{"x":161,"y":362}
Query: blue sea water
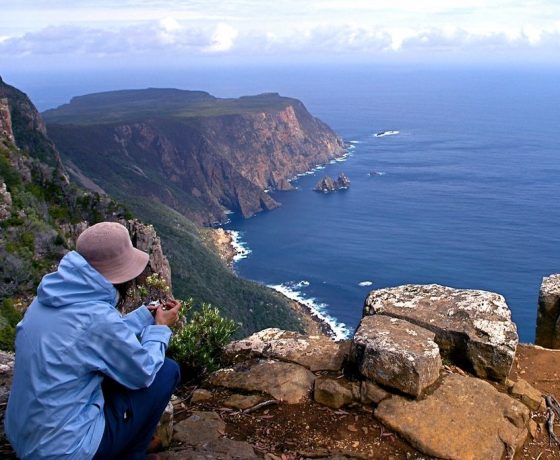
{"x":469,"y":196}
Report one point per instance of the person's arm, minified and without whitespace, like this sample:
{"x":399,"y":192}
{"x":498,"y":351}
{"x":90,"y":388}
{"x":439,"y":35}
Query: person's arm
{"x":138,"y":319}
{"x":113,"y":349}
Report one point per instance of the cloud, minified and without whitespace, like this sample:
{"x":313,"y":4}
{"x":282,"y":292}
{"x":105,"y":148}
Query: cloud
{"x":168,"y":36}
{"x":223,"y":39}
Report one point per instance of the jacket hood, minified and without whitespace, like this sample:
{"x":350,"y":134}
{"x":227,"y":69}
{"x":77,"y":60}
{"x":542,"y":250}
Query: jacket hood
{"x":75,"y":281}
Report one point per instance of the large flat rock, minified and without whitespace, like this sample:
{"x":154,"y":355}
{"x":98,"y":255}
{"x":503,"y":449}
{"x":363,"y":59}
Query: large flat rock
{"x":548,"y":327}
{"x":317,"y":353}
{"x":472,"y":328}
{"x":464,"y":419}
{"x":396,"y":353}
{"x":286,"y":382}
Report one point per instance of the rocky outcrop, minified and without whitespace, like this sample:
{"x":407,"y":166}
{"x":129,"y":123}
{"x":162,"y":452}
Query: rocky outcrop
{"x":472,"y":328}
{"x":316,"y":353}
{"x":286,"y":382}
{"x":5,"y":202}
{"x":6,"y":131}
{"x":465,"y":418}
{"x":548,"y":316}
{"x":200,"y":161}
{"x":396,"y":353}
{"x":327,"y":184}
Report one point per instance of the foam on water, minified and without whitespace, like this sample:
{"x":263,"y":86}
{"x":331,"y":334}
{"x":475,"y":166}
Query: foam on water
{"x":317,"y":309}
{"x":365,"y":283}
{"x":241,"y":249}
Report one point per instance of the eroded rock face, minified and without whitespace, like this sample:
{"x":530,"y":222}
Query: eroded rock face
{"x":286,"y":382}
{"x":317,"y":353}
{"x":548,"y":326}
{"x":396,"y":353}
{"x":144,"y":237}
{"x":5,"y":202}
{"x":6,"y":132}
{"x":464,"y":419}
{"x":469,"y":325}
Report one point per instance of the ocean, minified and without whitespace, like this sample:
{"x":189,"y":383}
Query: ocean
{"x":467,"y":194}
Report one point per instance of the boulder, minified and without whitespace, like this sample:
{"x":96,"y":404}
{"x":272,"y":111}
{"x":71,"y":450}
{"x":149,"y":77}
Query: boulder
{"x":396,"y":353}
{"x":242,"y":402}
{"x":472,"y":328}
{"x":286,"y":382}
{"x":370,"y":393}
{"x":201,"y":395}
{"x":464,"y":419}
{"x":548,"y":326}
{"x":333,"y":393}
{"x":343,"y":182}
{"x":317,"y":353}
{"x":528,"y":395}
{"x":200,"y":437}
{"x":218,"y":449}
{"x":164,"y":429}
{"x":199,"y":428}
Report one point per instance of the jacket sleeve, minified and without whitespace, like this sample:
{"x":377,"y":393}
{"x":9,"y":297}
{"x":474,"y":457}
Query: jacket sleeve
{"x":138,"y":319}
{"x":112,"y":348}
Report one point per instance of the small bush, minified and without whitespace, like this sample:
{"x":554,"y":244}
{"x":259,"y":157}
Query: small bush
{"x":197,"y":346}
{"x":9,"y":317}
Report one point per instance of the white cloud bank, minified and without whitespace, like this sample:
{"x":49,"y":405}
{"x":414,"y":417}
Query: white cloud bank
{"x":171,"y":37}
{"x":287,"y":28}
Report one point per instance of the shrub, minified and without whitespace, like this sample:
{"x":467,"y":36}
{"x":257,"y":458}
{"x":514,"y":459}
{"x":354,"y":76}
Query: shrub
{"x":9,"y":317}
{"x":197,"y":346}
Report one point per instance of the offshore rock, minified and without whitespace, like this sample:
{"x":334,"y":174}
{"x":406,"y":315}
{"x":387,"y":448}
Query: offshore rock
{"x":396,"y":353}
{"x":464,"y":419}
{"x":327,"y":184}
{"x":317,"y":353}
{"x":472,"y":328}
{"x":287,"y":382}
{"x":548,"y":324}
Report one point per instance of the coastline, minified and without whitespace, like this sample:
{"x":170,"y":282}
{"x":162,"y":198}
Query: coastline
{"x":230,"y":249}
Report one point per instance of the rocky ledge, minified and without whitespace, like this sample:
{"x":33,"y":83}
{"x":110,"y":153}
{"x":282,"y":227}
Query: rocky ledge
{"x":548,"y":326}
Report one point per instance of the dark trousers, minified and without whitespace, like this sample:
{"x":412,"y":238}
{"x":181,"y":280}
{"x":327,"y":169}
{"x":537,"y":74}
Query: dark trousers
{"x":131,"y":416}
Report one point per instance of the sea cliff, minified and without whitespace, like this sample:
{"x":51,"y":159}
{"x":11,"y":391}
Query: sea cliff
{"x":205,"y":158}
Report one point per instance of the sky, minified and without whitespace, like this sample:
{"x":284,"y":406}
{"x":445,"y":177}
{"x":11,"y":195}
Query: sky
{"x":86,"y":32}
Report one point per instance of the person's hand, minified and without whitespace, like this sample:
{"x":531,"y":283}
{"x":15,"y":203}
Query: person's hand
{"x":168,"y":313}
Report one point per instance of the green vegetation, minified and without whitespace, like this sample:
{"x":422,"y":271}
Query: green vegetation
{"x":199,"y":273}
{"x":9,"y":317}
{"x":131,"y":105}
{"x":198,"y":345}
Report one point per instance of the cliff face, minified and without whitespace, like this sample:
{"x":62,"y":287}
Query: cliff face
{"x":202,"y":165}
{"x":42,"y":213}
{"x":6,"y":131}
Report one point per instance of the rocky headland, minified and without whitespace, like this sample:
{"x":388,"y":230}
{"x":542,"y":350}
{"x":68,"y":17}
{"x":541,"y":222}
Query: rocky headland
{"x":195,"y":153}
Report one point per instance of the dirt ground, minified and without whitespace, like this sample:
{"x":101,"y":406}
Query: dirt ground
{"x":311,"y":430}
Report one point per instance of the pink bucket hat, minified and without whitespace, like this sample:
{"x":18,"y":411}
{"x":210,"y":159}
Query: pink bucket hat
{"x":107,"y":248}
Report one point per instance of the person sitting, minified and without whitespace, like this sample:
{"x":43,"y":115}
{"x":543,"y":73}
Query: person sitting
{"x":89,"y":383}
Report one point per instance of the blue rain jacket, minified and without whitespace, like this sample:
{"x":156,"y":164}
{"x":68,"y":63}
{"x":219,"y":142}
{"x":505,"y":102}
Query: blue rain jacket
{"x":71,"y":337}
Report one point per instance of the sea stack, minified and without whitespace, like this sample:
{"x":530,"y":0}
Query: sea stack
{"x":327,"y":184}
